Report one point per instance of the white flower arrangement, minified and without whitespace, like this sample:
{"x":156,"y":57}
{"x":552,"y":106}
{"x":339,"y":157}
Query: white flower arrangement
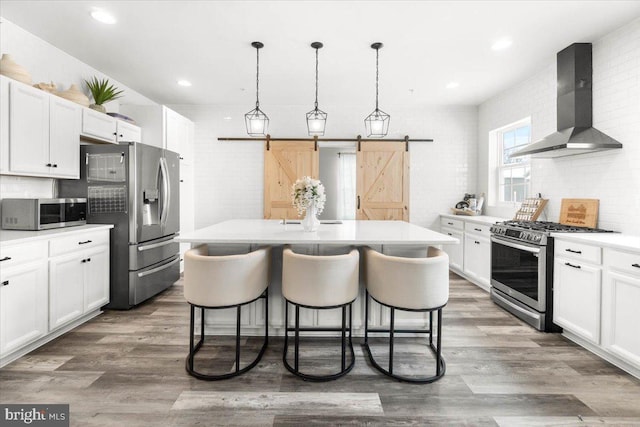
{"x":307,"y":190}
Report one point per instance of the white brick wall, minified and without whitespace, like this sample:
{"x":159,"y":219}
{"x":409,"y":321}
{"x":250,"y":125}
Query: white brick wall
{"x":229,"y":175}
{"x":612,"y":176}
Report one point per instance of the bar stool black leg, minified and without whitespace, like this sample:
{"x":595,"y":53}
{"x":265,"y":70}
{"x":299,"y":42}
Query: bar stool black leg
{"x":297,"y":339}
{"x":431,"y":328}
{"x":344,"y":344}
{"x":439,"y":343}
{"x":366,"y":317}
{"x":191,"y":335}
{"x":391,"y":327}
{"x":238,"y":340}
{"x":202,"y":324}
{"x":266,"y":316}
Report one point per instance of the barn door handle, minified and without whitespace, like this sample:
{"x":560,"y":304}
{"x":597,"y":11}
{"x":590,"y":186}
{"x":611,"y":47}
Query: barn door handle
{"x":358,"y":203}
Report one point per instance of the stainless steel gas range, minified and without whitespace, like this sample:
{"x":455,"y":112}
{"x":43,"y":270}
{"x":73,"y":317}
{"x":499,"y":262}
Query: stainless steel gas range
{"x":522,"y":269}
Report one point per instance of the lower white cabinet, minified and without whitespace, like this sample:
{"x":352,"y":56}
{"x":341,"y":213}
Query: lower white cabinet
{"x":49,"y":286}
{"x":23,"y":305}
{"x":79,"y":283}
{"x":620,"y":305}
{"x":576,"y":297}
{"x":455,"y":252}
{"x":477,"y":258}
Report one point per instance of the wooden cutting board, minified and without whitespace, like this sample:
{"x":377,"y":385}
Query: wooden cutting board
{"x":579,"y":212}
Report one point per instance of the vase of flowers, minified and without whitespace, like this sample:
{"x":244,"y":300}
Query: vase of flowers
{"x":308,"y":198}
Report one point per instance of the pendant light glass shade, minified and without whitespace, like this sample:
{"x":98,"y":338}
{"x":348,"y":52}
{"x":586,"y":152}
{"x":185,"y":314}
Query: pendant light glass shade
{"x":316,"y":118}
{"x":256,"y":120}
{"x":377,"y":123}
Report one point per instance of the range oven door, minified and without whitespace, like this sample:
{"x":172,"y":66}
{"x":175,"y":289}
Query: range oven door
{"x":518,"y":270}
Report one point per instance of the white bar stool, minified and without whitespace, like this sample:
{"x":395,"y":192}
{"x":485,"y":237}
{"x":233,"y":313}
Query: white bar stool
{"x":408,"y":284}
{"x":217,"y":282}
{"x":319,"y":282}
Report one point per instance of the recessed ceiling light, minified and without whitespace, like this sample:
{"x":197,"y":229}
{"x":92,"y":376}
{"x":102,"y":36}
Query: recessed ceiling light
{"x":103,"y":16}
{"x":452,"y":85}
{"x":501,"y":44}
{"x":185,"y":83}
{"x":227,"y":118}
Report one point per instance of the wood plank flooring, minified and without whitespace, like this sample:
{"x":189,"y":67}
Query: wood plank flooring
{"x":127,"y":368}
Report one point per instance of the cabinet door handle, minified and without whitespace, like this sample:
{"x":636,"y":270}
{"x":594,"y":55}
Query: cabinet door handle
{"x":476,"y":242}
{"x":115,"y":134}
{"x":7,"y":258}
{"x":449,"y":223}
{"x":181,"y":158}
{"x":478,"y":229}
{"x":573,"y":251}
{"x":55,"y":165}
{"x":83,"y":261}
{"x":636,"y":265}
{"x":48,"y":165}
{"x":85,"y":242}
{"x":450,"y":234}
{"x":571,"y":265}
{"x":182,"y":180}
{"x":120,"y":135}
{"x":5,"y":283}
{"x":88,"y":259}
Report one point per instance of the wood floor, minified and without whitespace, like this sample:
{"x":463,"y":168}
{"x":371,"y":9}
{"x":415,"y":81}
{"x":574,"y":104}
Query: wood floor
{"x":127,"y":369}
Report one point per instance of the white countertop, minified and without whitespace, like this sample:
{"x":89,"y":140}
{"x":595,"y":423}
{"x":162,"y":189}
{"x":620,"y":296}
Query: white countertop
{"x":15,"y":236}
{"x":272,"y":232}
{"x":481,"y":219}
{"x":609,"y":240}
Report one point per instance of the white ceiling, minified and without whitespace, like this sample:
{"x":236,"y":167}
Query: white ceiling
{"x":427,"y":44}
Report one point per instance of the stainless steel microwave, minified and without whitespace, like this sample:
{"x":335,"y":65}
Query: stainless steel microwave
{"x":42,"y":214}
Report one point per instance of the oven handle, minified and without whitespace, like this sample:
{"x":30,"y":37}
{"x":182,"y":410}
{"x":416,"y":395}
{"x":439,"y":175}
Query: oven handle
{"x":526,"y":248}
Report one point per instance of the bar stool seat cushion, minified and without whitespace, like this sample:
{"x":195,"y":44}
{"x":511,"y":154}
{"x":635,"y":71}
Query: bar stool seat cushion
{"x":220,"y":281}
{"x":320,"y":281}
{"x":409,"y":283}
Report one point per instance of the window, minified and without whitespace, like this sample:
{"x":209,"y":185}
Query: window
{"x":512,"y":174}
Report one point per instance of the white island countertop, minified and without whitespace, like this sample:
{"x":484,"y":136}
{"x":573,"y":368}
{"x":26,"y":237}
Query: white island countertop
{"x":273,"y":232}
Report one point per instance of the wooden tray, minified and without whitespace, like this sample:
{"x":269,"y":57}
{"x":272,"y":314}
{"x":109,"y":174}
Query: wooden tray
{"x":579,"y":212}
{"x":463,"y":212}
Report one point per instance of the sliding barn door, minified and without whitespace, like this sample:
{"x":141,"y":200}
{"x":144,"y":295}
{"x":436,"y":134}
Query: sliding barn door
{"x":284,"y":163}
{"x":382,"y":181}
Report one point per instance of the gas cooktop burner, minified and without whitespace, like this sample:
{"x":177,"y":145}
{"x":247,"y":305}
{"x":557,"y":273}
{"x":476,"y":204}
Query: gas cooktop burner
{"x":553,"y":227}
{"x":537,"y":232}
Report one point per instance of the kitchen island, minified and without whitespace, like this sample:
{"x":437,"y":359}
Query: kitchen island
{"x":243,"y":235}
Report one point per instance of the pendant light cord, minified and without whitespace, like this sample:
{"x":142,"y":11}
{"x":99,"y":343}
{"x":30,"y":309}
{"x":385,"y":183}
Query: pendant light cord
{"x":377,"y":53}
{"x":257,"y":77}
{"x":316,"y":103}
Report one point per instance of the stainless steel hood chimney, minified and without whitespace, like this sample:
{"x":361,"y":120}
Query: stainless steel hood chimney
{"x":575,"y":135}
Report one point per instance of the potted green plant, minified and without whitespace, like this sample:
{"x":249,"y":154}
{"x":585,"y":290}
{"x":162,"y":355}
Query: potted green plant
{"x":102,"y":91}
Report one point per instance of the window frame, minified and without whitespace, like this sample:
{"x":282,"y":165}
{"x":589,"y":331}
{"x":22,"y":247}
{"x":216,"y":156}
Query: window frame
{"x":498,"y":167}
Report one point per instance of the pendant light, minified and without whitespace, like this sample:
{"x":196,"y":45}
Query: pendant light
{"x":257,"y":122}
{"x":316,"y":119}
{"x":377,"y":123}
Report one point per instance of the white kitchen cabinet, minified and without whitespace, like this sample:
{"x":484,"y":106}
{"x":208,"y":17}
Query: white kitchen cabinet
{"x":41,"y":133}
{"x":577,"y":291}
{"x":454,"y":228}
{"x":97,"y":125}
{"x":64,"y":138}
{"x":79,"y":278}
{"x":477,"y":258}
{"x":128,"y":132}
{"x":23,"y":305}
{"x":28,"y":130}
{"x":620,"y":299}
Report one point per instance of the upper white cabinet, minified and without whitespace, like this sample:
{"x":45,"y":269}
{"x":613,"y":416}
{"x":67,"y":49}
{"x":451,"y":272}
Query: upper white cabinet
{"x":98,"y":125}
{"x":43,"y":137}
{"x":102,"y":127}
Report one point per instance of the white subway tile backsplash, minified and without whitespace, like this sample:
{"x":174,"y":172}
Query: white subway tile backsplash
{"x":613,"y":176}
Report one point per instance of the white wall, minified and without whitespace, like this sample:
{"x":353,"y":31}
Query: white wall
{"x":47,"y":63}
{"x":612,"y":176}
{"x":229,"y":175}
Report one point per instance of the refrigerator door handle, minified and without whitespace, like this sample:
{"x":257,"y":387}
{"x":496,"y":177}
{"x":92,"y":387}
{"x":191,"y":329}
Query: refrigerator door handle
{"x":165,"y":191}
{"x":162,"y":267}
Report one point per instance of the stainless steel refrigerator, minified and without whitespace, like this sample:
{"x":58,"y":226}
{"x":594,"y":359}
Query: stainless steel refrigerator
{"x":135,"y":187}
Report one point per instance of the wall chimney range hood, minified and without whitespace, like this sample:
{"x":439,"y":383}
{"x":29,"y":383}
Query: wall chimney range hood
{"x":575,"y":134}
